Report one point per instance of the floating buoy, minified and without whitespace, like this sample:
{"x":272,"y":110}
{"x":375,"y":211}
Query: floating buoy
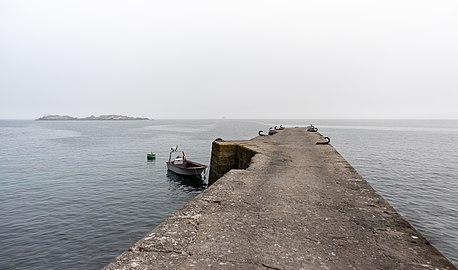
{"x":151,"y":156}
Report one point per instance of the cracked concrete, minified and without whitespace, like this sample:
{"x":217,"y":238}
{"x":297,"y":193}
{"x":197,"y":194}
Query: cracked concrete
{"x":297,"y":206}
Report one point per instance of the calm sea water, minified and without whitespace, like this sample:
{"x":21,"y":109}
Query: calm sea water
{"x":74,"y":195}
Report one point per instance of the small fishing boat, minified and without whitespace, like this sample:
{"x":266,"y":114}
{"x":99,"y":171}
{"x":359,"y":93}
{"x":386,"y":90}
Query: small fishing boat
{"x":182,"y":166}
{"x":151,"y":156}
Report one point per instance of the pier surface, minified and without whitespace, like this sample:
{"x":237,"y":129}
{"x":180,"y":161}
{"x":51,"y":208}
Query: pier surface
{"x":297,"y":205}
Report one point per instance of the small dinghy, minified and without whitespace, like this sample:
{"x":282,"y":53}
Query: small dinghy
{"x":183,"y":166}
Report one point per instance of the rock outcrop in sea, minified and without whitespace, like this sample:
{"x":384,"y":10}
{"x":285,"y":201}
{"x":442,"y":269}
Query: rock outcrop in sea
{"x":92,"y":117}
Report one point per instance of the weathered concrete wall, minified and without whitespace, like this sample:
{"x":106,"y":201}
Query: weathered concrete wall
{"x":297,"y":206}
{"x":226,"y":156}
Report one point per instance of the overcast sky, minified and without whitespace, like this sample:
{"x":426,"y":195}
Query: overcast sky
{"x":233,"y":59}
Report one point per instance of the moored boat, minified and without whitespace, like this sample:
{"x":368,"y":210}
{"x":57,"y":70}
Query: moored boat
{"x":183,"y":166}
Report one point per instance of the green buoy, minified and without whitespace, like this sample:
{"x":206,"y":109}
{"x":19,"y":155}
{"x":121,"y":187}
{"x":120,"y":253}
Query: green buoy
{"x":151,"y":156}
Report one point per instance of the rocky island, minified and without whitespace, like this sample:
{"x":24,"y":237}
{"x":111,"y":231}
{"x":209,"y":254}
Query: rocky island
{"x":92,"y":117}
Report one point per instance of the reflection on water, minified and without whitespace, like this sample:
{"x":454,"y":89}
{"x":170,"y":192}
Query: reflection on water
{"x":190,"y":184}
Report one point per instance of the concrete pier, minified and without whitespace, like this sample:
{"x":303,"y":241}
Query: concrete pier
{"x":283,"y":202}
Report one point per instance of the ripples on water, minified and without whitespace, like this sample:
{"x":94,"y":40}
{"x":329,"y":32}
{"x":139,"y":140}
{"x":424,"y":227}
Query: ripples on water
{"x":74,"y":195}
{"x":415,"y":167}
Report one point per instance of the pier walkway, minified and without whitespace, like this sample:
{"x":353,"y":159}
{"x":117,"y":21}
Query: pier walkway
{"x":297,"y":206}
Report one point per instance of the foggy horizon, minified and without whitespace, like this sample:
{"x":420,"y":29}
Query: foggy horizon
{"x":203,"y":59}
{"x":227,"y":118}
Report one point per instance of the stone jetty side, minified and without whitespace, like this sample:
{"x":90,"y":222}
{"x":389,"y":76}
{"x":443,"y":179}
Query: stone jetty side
{"x":297,"y":205}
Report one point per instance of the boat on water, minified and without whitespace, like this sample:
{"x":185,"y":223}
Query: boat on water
{"x":182,"y":166}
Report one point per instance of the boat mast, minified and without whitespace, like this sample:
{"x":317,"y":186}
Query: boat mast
{"x":172,"y":150}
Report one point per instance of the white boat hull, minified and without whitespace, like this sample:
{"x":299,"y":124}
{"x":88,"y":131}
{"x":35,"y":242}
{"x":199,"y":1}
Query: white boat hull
{"x":187,"y":168}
